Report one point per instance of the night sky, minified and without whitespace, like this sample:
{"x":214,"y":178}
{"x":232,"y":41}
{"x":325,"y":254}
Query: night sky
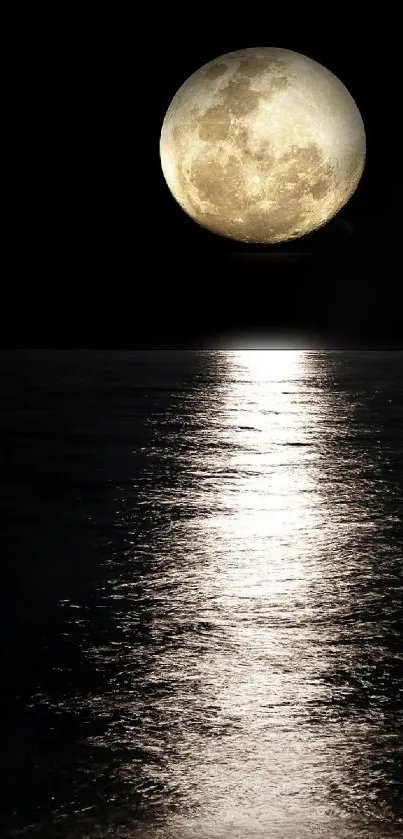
{"x":103,"y":254}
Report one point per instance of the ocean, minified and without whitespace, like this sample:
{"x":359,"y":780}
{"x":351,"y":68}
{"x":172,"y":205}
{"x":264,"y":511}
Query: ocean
{"x":201,"y":610}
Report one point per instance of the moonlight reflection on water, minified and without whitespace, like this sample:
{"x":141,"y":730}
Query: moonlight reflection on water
{"x":248,"y":613}
{"x":240,"y":624}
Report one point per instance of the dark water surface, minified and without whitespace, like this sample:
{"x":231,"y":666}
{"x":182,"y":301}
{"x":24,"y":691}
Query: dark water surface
{"x":201,"y":609}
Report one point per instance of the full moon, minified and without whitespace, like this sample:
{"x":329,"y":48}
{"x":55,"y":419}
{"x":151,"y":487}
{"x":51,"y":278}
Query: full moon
{"x":262,"y":145}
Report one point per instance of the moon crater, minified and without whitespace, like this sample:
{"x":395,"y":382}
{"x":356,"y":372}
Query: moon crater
{"x":262,"y":145}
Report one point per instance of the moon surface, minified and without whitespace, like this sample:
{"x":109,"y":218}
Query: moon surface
{"x":262,"y":145}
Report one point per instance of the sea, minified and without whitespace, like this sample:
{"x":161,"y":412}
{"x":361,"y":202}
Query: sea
{"x":201,"y":607}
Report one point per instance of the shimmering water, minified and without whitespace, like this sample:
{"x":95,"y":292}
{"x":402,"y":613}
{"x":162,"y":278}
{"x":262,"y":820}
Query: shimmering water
{"x":202,"y":620}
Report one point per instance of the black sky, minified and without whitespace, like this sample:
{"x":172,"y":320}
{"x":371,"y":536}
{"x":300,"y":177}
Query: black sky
{"x":104,"y":255}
